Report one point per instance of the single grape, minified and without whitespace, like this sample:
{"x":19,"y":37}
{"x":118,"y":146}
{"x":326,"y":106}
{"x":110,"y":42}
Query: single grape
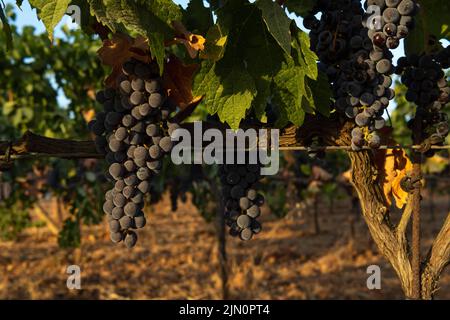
{"x":137,"y":84}
{"x":130,"y":209}
{"x":246,"y":234}
{"x":116,"y":237}
{"x":140,"y":221}
{"x":361,"y":120}
{"x":143,"y":187}
{"x":108,"y":207}
{"x":244,"y":203}
{"x":116,"y":170}
{"x":391,"y":15}
{"x":243,"y":221}
{"x":166,"y":144}
{"x":125,"y":222}
{"x":130,"y":239}
{"x":117,"y":213}
{"x":383,"y":66}
{"x":152,"y":86}
{"x":155,"y":100}
{"x":406,"y":7}
{"x":125,"y":87}
{"x":114,"y":226}
{"x":131,"y":180}
{"x":254,"y":211}
{"x":155,"y":152}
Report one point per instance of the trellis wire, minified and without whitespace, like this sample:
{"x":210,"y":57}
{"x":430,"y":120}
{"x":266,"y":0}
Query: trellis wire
{"x":286,"y":148}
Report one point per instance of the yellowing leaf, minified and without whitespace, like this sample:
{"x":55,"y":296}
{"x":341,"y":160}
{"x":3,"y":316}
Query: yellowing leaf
{"x":193,"y":42}
{"x":393,"y":166}
{"x":88,"y":115}
{"x":119,"y":49}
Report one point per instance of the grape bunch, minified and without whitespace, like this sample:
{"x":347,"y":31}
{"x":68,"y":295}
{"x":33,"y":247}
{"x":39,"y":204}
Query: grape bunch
{"x":133,"y":132}
{"x":358,"y":70}
{"x":389,"y":21}
{"x":429,"y":90}
{"x":241,"y":200}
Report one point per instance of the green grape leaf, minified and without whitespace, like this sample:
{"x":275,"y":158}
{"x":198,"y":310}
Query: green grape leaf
{"x":237,"y":96}
{"x":432,"y":24}
{"x":215,"y":44}
{"x":197,"y":17}
{"x":228,"y":92}
{"x":321,"y":94}
{"x":305,"y":56}
{"x":289,"y":91}
{"x":50,"y":12}
{"x":156,"y":42}
{"x":277,"y":23}
{"x":6,"y":29}
{"x":99,"y":10}
{"x":263,"y":87}
{"x":150,"y":18}
{"x":251,"y":44}
{"x":300,"y":8}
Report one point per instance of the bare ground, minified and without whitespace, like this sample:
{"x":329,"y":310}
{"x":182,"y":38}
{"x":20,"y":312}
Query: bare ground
{"x":176,"y":258}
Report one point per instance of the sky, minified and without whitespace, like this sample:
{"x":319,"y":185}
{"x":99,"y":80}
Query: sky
{"x":27,"y":16}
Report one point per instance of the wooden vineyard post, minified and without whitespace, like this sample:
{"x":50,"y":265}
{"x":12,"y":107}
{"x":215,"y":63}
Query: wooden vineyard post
{"x":223,"y":261}
{"x":221,"y":238}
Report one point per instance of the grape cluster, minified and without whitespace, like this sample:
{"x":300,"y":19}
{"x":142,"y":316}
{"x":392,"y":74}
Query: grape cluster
{"x":389,"y":21}
{"x":359,"y":68}
{"x":133,"y":132}
{"x":428,"y":89}
{"x":242,"y":202}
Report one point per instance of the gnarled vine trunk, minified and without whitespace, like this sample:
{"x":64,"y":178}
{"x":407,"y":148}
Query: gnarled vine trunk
{"x":391,"y":244}
{"x":391,"y":240}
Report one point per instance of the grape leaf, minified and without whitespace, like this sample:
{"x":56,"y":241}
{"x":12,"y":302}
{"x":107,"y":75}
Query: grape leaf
{"x":289,"y":91}
{"x":393,"y":166}
{"x":119,"y":49}
{"x":178,"y":81}
{"x":6,"y":29}
{"x":431,"y":21}
{"x":197,"y":17}
{"x":215,"y":44}
{"x":277,"y":23}
{"x":251,"y":44}
{"x":300,"y":8}
{"x":50,"y":12}
{"x":305,"y":56}
{"x":321,"y":94}
{"x":150,"y":18}
{"x":156,"y":42}
{"x":228,"y":92}
{"x":237,"y":95}
{"x":99,"y":10}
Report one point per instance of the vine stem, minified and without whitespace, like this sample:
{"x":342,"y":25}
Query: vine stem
{"x":416,"y":231}
{"x":415,"y":241}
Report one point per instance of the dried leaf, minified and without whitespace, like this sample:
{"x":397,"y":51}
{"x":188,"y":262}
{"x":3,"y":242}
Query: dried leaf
{"x":119,"y":49}
{"x":88,"y":115}
{"x":178,"y":80}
